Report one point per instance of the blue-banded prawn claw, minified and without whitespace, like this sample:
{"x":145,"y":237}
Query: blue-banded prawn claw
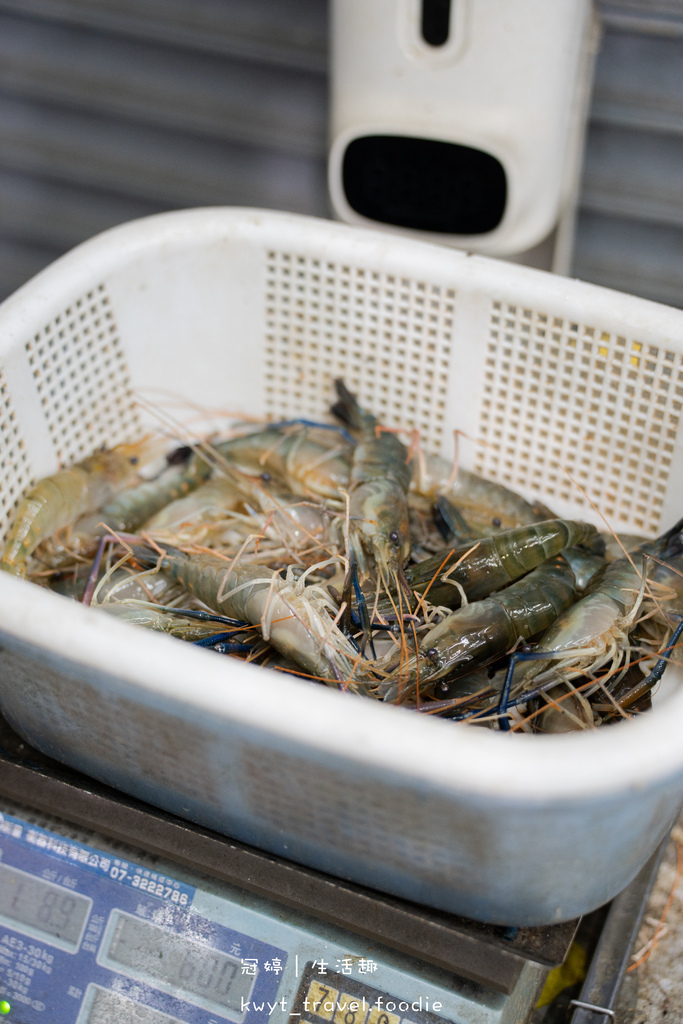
{"x":221,"y":638}
{"x":658,"y":670}
{"x":363,"y":613}
{"x":200,"y":616}
{"x":504,"y":703}
{"x":349,"y":620}
{"x":222,"y":643}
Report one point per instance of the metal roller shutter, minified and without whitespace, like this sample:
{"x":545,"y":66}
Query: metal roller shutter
{"x":114,"y":109}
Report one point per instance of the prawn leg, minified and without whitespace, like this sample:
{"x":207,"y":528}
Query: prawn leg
{"x":504,"y":702}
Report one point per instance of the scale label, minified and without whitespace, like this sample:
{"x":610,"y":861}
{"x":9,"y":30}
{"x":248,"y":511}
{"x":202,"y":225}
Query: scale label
{"x":71,"y":852}
{"x":86,"y":936}
{"x":338,"y":999}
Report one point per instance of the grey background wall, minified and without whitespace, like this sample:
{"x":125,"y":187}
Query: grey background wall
{"x":113,"y":109}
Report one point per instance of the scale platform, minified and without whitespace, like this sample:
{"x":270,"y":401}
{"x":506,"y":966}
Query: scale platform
{"x":114,"y":912}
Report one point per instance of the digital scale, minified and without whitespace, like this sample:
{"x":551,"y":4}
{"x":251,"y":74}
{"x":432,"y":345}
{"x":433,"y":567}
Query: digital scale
{"x":117,"y":913}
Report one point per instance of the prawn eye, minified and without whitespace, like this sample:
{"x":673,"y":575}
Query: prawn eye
{"x":179,"y":455}
{"x":265,"y":477}
{"x":134,"y":460}
{"x":393,"y":537}
{"x":496,"y":521}
{"x":433,"y":655}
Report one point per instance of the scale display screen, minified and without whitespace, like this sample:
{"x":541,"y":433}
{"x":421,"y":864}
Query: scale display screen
{"x":177,"y":964}
{"x":110,"y":1008}
{"x":88,"y":936}
{"x":45,"y":909}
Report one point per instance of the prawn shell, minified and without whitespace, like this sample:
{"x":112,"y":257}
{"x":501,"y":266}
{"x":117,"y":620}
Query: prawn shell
{"x":379,"y":482}
{"x":252,"y":593}
{"x":138,"y":504}
{"x":209,"y":501}
{"x":584,"y":565}
{"x":303,"y":464}
{"x":380,"y":510}
{"x":494,"y":562}
{"x":477,"y":634}
{"x":481,"y":501}
{"x":60,"y":499}
{"x":382,"y":458}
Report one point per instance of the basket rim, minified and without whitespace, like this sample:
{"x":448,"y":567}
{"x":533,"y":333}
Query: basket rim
{"x":114,"y":247}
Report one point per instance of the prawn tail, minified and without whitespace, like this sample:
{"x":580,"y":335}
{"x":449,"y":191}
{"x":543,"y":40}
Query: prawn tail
{"x":346,"y":408}
{"x":670,"y":543}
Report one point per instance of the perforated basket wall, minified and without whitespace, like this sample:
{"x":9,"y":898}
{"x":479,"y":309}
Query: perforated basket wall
{"x":388,"y":336}
{"x":77,"y":366}
{"x":576,"y":411}
{"x":573,"y":412}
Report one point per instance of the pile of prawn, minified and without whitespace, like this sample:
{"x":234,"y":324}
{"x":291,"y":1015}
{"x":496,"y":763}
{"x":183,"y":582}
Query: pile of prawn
{"x":336,"y":553}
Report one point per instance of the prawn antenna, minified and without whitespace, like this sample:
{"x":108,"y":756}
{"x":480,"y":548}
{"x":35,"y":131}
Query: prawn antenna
{"x":95,"y":570}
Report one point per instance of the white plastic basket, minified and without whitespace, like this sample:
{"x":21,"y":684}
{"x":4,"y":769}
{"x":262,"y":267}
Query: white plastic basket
{"x":256,"y":311}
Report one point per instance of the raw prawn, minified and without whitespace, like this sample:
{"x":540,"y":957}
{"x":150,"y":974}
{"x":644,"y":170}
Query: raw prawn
{"x":485,"y":504}
{"x":295,"y":618}
{"x":379,"y":481}
{"x":480,"y":567}
{"x":59,"y":500}
{"x":594,"y":631}
{"x":479,"y":633}
{"x":212,"y":500}
{"x":138,"y":504}
{"x":305,"y":465}
{"x":131,"y":508}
